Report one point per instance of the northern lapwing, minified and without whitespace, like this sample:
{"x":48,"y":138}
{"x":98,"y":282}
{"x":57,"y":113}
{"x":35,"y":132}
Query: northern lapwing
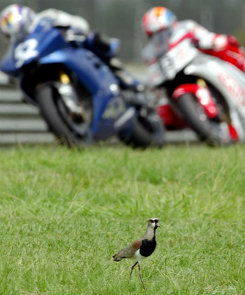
{"x":140,"y":248}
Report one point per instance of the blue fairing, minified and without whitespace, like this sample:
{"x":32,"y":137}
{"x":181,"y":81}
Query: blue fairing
{"x":91,"y":71}
{"x":8,"y":64}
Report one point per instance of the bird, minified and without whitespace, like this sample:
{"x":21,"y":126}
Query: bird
{"x":140,"y":248}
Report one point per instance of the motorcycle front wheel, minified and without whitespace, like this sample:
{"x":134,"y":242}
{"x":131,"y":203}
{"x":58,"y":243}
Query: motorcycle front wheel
{"x":67,"y":116}
{"x":213,"y":131}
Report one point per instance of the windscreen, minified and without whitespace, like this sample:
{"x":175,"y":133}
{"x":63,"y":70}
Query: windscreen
{"x":158,"y":45}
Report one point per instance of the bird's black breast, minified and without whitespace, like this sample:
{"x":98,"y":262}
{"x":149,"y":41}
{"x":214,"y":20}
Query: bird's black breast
{"x":147,"y":247}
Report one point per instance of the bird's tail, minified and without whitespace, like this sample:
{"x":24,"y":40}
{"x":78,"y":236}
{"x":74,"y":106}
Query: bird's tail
{"x":117,"y":257}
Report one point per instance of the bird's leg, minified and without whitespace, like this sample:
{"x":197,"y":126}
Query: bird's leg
{"x":140,"y":275}
{"x":132,"y":268}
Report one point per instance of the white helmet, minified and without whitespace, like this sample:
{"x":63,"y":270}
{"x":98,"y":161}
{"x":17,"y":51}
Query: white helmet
{"x":15,"y":20}
{"x":157,"y":19}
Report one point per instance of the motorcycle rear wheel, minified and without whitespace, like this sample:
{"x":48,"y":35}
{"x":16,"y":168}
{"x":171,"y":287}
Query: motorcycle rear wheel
{"x":148,"y":131}
{"x":212,"y":131}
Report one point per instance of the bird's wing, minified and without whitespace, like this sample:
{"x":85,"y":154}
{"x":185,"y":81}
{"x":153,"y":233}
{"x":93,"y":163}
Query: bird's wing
{"x":128,"y":251}
{"x":136,"y":244}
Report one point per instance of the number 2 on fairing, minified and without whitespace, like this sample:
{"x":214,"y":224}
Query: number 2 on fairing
{"x":25,"y":51}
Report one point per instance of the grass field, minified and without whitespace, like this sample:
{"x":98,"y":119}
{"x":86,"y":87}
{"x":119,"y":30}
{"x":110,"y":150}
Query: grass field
{"x":64,"y":213}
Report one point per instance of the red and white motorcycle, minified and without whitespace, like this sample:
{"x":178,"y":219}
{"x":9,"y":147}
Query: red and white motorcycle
{"x":198,"y":89}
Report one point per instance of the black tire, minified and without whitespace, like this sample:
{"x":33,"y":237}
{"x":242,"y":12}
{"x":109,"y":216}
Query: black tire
{"x":213,"y":131}
{"x":55,"y":114}
{"x":148,"y":131}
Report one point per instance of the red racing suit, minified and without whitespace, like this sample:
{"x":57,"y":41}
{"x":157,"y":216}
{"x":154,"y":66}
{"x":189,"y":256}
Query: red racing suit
{"x":223,"y":46}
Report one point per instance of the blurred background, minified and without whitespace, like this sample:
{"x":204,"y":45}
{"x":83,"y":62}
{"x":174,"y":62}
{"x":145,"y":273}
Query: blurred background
{"x":122,"y":18}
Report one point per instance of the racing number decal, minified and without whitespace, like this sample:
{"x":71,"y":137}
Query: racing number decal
{"x":25,"y":50}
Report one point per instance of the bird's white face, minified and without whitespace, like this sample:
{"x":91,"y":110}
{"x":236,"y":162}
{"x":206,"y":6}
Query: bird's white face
{"x":154,"y":223}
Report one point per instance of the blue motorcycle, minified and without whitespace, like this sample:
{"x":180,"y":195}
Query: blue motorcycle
{"x":78,"y":92}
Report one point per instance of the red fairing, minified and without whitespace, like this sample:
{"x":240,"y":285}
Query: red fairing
{"x":203,"y":96}
{"x":170,"y":119}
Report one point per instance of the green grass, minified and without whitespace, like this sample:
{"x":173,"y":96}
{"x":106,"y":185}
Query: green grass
{"x":64,"y":213}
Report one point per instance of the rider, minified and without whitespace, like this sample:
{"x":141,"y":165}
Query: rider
{"x":16,"y":21}
{"x":160,"y":18}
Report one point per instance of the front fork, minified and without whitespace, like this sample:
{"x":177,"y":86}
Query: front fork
{"x":69,"y":97}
